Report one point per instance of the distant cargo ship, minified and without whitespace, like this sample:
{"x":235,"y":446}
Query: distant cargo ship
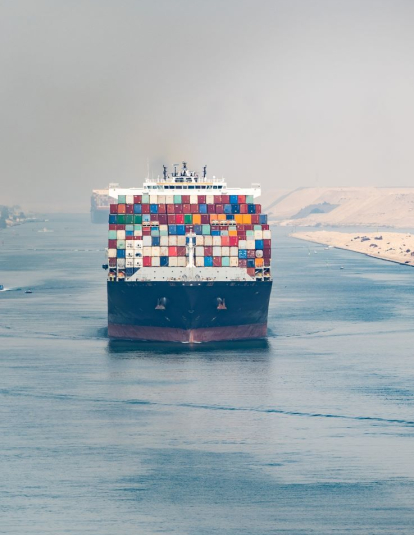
{"x":189,"y":261}
{"x":100,"y":201}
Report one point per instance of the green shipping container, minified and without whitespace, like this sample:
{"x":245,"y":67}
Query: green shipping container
{"x":224,"y":233}
{"x":145,"y":199}
{"x":155,"y":233}
{"x":120,"y":244}
{"x":257,"y":227}
{"x":225,"y":261}
{"x":129,"y":219}
{"x":121,"y":219}
{"x":112,"y":235}
{"x":177,"y":199}
{"x":121,"y":199}
{"x":163,"y":232}
{"x":138,"y":221}
{"x":250,"y":233}
{"x":137,"y":227}
{"x":205,"y":229}
{"x":188,"y":219}
{"x":129,"y":227}
{"x":249,"y":199}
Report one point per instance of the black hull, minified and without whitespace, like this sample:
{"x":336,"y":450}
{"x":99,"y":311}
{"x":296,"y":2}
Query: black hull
{"x":188,"y":312}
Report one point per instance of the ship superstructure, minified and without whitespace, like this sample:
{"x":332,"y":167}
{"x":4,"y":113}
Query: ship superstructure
{"x":189,"y":260}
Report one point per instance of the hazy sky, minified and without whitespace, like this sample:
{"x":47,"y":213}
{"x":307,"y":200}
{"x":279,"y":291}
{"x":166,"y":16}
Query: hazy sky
{"x":288,"y":93}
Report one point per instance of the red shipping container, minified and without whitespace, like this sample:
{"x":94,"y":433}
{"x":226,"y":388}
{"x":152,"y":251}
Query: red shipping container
{"x":188,"y":228}
{"x":120,"y":227}
{"x":219,"y":209}
{"x":243,"y":209}
{"x":181,"y":250}
{"x":121,"y":209}
{"x":146,"y":231}
{"x":185,"y":199}
{"x":255,"y":219}
{"x":215,"y":227}
{"x":113,"y":208}
{"x":258,"y":208}
{"x":211,"y":209}
{"x":267,"y":253}
{"x":137,"y":199}
{"x":225,"y":199}
{"x":154,"y":217}
{"x":265,"y":227}
{"x":193,"y":209}
{"x":129,"y":208}
{"x":179,"y":219}
{"x":240,"y":227}
{"x":267,"y":244}
{"x":201,"y":199}
{"x":208,"y":251}
{"x":178,"y":208}
{"x":171,"y":219}
{"x":251,"y":253}
{"x":112,"y":262}
{"x":223,"y":227}
{"x":241,"y":234}
{"x":147,"y":261}
{"x":145,"y":208}
{"x":112,"y":226}
{"x":186,"y":208}
{"x":112,"y":244}
{"x":163,"y":219}
{"x":248,"y":227}
{"x":172,"y":251}
{"x":216,"y":261}
{"x":225,"y":241}
{"x":242,"y":262}
{"x":251,"y":272}
{"x":217,"y":199}
{"x":162,"y":209}
{"x":205,"y":219}
{"x":137,"y":238}
{"x":170,"y":209}
{"x":234,"y":241}
{"x":241,"y":199}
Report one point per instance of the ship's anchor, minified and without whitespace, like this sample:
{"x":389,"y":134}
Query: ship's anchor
{"x":221,"y":304}
{"x":161,"y":304}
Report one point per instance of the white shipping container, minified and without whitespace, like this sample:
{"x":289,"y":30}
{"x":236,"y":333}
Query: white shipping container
{"x":155,"y":261}
{"x":199,"y":250}
{"x":163,"y":251}
{"x":120,"y":234}
{"x":172,"y":241}
{"x":172,"y":262}
{"x":146,"y":241}
{"x":259,"y":253}
{"x":129,"y":263}
{"x":161,"y":199}
{"x":234,"y":251}
{"x":111,"y":253}
{"x":164,"y":227}
{"x":216,"y":240}
{"x":225,"y":251}
{"x":181,"y":261}
{"x":216,"y":251}
{"x":138,"y":233}
{"x":137,"y":262}
{"x":129,"y":199}
{"x":193,"y":199}
{"x":267,"y":234}
{"x":156,"y":251}
{"x":164,"y":241}
{"x":129,"y":244}
{"x":234,"y":261}
{"x":208,"y":241}
{"x":242,"y":244}
{"x":153,"y":199}
{"x":120,"y":263}
{"x":146,"y":251}
{"x":210,"y":199}
{"x":137,"y":244}
{"x":200,"y":261}
{"x":129,"y":253}
{"x":250,"y":244}
{"x":169,"y":199}
{"x":258,"y":235}
{"x":180,"y":241}
{"x":199,"y":240}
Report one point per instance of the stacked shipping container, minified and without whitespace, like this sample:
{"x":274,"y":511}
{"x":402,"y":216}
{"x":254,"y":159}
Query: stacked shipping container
{"x":150,"y":231}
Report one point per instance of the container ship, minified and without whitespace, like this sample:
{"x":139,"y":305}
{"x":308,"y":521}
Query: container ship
{"x":188,"y":260}
{"x":100,"y":201}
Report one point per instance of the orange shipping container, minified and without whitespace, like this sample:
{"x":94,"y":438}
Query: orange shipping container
{"x":221,"y":217}
{"x":238,"y":218}
{"x":232,"y":232}
{"x":121,"y":209}
{"x":259,"y":262}
{"x":196,"y":219}
{"x":247,"y":219}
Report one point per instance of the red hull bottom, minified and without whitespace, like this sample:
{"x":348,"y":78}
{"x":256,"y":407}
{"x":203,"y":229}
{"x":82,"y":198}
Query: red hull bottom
{"x":162,"y":334}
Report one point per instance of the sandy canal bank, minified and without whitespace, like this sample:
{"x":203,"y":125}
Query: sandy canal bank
{"x":391,"y":246}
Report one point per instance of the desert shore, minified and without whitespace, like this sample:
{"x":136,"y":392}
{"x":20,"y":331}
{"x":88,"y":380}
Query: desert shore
{"x":392,"y":246}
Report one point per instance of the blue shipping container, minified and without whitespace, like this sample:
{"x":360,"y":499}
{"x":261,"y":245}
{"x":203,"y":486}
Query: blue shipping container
{"x":233,"y":199}
{"x":164,"y":261}
{"x":112,"y":219}
{"x":198,"y":229}
{"x":227,"y":208}
{"x":172,"y":229}
{"x":235,"y":208}
{"x":120,"y":253}
{"x":259,"y":244}
{"x":146,"y":218}
{"x":208,"y":261}
{"x":202,"y":208}
{"x":181,"y":230}
{"x":137,"y":208}
{"x":154,"y":208}
{"x":263,"y":219}
{"x":251,"y":209}
{"x":155,"y":241}
{"x":242,"y":253}
{"x":250,"y":262}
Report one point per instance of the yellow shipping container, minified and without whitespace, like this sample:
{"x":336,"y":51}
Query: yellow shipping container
{"x":247,"y":219}
{"x":259,"y":262}
{"x":232,"y":232}
{"x":196,"y":219}
{"x":221,"y":217}
{"x":238,"y":218}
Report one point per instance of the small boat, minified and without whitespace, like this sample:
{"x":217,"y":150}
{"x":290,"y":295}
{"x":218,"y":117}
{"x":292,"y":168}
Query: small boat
{"x":28,"y":292}
{"x":342,"y":267}
{"x":45,"y":230}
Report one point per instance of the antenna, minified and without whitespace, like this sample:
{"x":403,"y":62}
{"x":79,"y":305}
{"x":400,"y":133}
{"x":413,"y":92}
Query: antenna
{"x":164,"y":167}
{"x":205,"y":171}
{"x":175,"y":168}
